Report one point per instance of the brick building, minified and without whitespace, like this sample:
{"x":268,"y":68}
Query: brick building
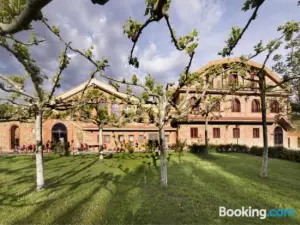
{"x":239,"y":121}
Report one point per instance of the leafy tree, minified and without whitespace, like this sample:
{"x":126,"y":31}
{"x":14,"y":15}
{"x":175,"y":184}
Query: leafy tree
{"x":93,"y":108}
{"x":288,"y":31}
{"x":31,"y":105}
{"x":210,"y":109}
{"x":288,"y":66}
{"x":36,"y":103}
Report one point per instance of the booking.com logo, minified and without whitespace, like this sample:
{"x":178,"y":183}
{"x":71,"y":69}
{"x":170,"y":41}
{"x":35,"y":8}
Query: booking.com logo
{"x":261,"y":213}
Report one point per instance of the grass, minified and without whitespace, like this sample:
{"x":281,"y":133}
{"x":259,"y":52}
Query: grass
{"x":126,"y":190}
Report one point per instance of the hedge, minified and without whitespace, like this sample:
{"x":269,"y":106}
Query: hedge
{"x":274,"y":152}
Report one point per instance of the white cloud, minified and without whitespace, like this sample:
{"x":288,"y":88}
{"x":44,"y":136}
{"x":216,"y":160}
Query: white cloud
{"x":201,"y":14}
{"x":154,"y":62}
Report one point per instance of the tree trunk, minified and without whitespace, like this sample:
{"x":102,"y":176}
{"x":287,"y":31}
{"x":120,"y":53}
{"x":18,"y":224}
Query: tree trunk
{"x":100,"y":142}
{"x":262,"y":82}
{"x":206,"y":136}
{"x":163,"y":160}
{"x":40,"y":183}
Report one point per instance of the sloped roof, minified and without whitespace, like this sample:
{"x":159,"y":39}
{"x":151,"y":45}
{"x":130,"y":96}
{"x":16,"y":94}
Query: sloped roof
{"x":272,"y":75}
{"x":103,"y":86}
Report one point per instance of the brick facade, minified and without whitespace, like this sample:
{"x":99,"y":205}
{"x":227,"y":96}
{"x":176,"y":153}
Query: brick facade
{"x":244,"y":121}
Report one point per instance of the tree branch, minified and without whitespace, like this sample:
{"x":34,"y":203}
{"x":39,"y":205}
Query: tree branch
{"x":172,"y":33}
{"x":19,"y":89}
{"x":60,"y":70}
{"x":31,"y":12}
{"x":253,"y":17}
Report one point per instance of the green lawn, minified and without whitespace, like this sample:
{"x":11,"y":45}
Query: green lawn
{"x":80,"y":190}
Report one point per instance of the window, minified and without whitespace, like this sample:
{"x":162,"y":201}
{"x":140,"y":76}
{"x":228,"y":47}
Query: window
{"x":252,"y":83}
{"x":255,"y":106}
{"x":131,"y":138}
{"x":278,"y":136}
{"x":216,"y":133}
{"x":289,"y":142}
{"x":255,"y":132}
{"x":298,"y":142}
{"x":102,"y":103}
{"x":115,"y":109}
{"x":208,"y":81}
{"x":153,"y":136}
{"x":274,"y":107}
{"x":233,"y":80}
{"x":141,"y":139}
{"x":236,"y":132}
{"x":236,"y":105}
{"x":194,"y":132}
{"x":167,"y":138}
{"x":126,"y":111}
{"x":106,"y":139}
{"x":193,"y":102}
{"x":217,"y":107}
{"x":121,"y":138}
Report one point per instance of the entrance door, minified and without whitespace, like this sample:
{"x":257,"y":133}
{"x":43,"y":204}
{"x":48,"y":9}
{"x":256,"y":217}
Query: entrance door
{"x":14,"y":137}
{"x":59,"y":133}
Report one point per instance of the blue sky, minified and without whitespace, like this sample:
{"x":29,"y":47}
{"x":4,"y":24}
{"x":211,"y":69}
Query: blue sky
{"x":84,"y":24}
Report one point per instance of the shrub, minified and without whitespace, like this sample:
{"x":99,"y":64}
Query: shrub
{"x":255,"y":150}
{"x":129,"y":147}
{"x":58,"y":148}
{"x":178,"y":146}
{"x":196,"y":148}
{"x":152,"y":145}
{"x":232,"y":148}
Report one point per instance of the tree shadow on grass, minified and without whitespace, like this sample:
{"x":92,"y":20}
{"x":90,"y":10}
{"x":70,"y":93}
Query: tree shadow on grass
{"x":283,"y":175}
{"x":113,"y":195}
{"x":194,"y":195}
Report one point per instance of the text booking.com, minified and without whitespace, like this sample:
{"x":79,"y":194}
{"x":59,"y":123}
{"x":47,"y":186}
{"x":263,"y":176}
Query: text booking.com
{"x":260,"y":213}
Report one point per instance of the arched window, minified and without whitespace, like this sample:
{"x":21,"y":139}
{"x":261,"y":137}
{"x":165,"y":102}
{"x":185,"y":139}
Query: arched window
{"x":192,"y":102}
{"x":255,"y":106}
{"x":236,"y":105}
{"x":217,"y":106}
{"x":115,"y":109}
{"x":274,"y":106}
{"x":278,"y":136}
{"x":233,"y":80}
{"x":59,"y":133}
